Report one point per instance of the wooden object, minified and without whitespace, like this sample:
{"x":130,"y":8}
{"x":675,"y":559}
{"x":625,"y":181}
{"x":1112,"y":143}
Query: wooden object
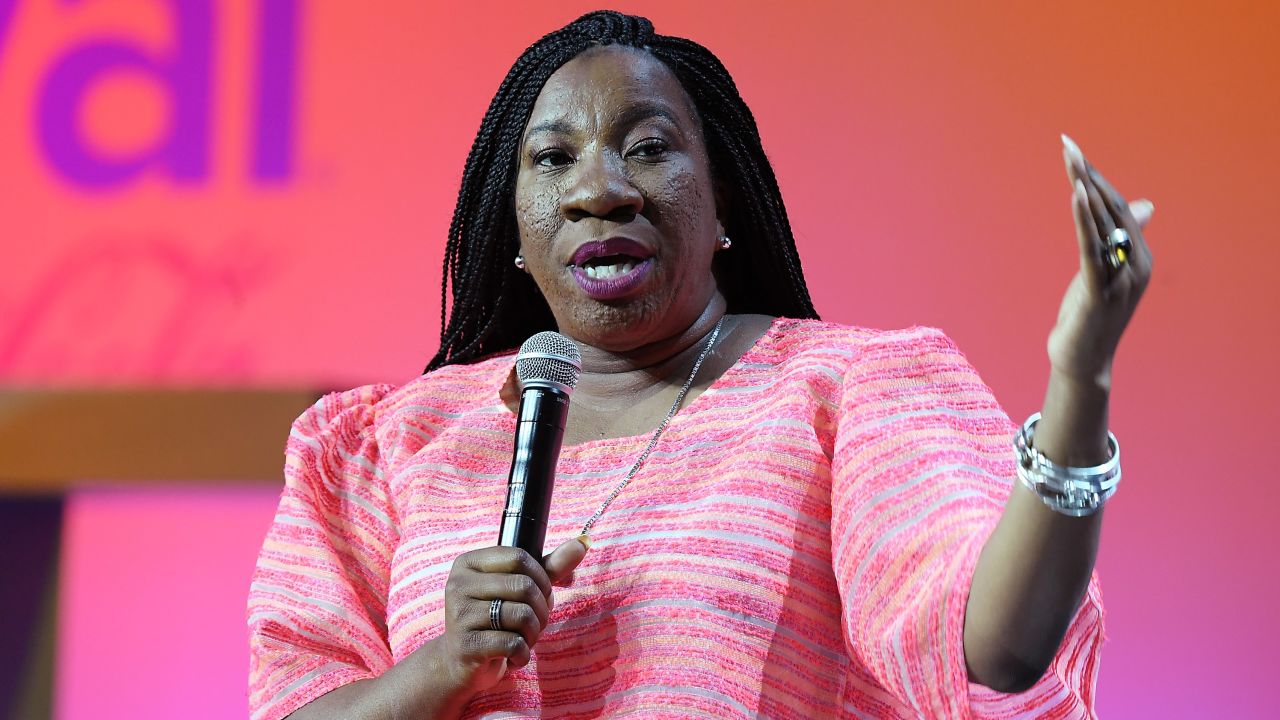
{"x":52,"y":438}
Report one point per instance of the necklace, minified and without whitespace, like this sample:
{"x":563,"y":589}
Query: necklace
{"x":653,"y":441}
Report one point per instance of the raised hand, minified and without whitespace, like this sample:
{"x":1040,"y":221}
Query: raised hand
{"x":1103,"y":295}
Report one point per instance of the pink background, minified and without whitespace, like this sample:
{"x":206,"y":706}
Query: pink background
{"x":916,"y":145}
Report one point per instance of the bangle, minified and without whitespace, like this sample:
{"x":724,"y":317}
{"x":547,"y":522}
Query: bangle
{"x":1074,"y":491}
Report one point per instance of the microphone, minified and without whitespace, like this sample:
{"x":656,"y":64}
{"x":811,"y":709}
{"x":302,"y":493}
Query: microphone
{"x":548,"y":367}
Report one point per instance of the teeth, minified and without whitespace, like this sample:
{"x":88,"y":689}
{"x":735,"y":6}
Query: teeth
{"x":606,"y":272}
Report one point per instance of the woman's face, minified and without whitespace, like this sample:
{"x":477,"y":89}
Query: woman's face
{"x":615,"y":202}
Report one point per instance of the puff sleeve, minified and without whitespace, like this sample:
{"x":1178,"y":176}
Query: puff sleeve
{"x":922,"y":466}
{"x":317,"y":604}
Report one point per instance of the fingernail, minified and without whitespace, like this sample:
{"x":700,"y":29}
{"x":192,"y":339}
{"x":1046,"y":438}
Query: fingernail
{"x":1073,"y":151}
{"x":1084,"y":195}
{"x":585,"y":540}
{"x":1142,"y":211}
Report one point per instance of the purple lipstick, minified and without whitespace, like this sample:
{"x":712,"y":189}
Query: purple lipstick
{"x":611,"y":269}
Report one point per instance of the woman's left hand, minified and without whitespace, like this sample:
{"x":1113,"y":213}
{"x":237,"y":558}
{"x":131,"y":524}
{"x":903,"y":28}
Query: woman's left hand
{"x":1101,"y":298}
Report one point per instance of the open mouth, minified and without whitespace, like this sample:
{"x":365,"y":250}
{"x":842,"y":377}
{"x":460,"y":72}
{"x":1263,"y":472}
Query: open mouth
{"x":608,"y":267}
{"x":611,"y":269}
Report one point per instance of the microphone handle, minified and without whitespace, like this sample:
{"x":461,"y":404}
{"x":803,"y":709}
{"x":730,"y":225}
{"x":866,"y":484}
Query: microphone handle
{"x":539,"y":434}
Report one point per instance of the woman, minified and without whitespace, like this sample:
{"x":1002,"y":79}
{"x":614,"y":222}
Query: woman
{"x":760,"y":514}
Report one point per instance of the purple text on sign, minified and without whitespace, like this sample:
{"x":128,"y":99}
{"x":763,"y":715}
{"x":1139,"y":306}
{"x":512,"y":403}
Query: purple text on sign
{"x":182,"y":152}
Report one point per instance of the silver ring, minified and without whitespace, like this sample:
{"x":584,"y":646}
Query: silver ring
{"x":495,"y":614}
{"x":1119,"y":248}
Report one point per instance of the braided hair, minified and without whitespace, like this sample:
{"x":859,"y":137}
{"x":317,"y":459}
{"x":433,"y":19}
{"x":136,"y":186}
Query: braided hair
{"x":496,"y":306}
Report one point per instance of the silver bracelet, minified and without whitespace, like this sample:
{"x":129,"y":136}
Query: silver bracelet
{"x":1074,"y":491}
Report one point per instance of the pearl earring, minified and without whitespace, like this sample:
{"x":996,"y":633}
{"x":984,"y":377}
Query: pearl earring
{"x":520,"y":261}
{"x":725,"y":242}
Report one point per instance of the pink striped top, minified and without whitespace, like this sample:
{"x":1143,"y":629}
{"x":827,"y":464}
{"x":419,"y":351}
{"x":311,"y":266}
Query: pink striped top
{"x":799,"y":544}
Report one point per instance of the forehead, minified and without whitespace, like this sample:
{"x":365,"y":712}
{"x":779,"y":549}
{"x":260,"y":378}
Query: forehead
{"x":601,"y":83}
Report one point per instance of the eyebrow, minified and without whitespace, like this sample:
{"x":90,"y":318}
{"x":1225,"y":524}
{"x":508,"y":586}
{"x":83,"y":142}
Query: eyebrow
{"x":638,"y":113}
{"x":633,"y":115}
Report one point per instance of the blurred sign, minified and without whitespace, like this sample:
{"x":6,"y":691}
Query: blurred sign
{"x":178,"y":175}
{"x":183,"y":74}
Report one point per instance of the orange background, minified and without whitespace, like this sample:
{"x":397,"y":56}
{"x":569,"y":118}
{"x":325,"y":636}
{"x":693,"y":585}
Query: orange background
{"x":917,"y":148}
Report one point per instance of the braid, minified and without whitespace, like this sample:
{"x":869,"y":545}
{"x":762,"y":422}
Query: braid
{"x":495,"y":306}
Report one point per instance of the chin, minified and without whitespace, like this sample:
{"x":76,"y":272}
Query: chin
{"x":614,"y":326}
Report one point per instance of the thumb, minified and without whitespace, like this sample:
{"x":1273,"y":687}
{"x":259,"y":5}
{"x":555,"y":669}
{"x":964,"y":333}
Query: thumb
{"x":561,"y":562}
{"x":1142,"y":211}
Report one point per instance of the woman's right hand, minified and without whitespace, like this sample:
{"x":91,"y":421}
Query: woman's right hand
{"x":438,"y":679}
{"x":477,"y":654}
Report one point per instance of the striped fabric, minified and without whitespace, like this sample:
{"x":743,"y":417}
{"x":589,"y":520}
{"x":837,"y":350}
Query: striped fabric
{"x":799,"y":544}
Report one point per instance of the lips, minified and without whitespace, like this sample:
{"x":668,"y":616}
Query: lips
{"x":610,"y":247}
{"x":611,"y":269}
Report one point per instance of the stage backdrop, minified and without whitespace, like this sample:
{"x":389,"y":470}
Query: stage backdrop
{"x":255,"y":193}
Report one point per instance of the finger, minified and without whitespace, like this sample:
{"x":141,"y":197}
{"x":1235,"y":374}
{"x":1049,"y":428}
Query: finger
{"x":519,"y":618}
{"x":515,"y":618}
{"x":1087,"y":237}
{"x":1074,"y":161}
{"x":496,"y":644}
{"x":1102,"y":217}
{"x":1142,"y":210}
{"x":1115,"y":204}
{"x":1125,"y":218}
{"x":1079,"y":170}
{"x":561,"y":562}
{"x":1133,"y":217}
{"x":513,"y":588}
{"x":1115,"y":201}
{"x":508,"y":560}
{"x":521,"y":655}
{"x":1110,"y":211}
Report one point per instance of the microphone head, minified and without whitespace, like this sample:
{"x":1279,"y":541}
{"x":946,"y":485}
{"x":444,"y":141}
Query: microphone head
{"x":549,"y":359}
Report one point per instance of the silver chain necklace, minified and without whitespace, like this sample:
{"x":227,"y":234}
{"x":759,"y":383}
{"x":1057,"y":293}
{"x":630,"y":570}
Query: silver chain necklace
{"x":653,"y":441}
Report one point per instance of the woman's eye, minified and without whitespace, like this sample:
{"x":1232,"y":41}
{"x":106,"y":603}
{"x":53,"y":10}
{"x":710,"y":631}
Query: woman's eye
{"x":649,"y":149}
{"x":551,"y":158}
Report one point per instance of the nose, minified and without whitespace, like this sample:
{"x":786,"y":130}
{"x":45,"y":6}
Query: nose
{"x":601,"y":189}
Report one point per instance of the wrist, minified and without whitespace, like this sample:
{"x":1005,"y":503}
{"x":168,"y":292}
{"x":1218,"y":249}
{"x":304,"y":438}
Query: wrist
{"x":1073,"y":429}
{"x":1096,"y":384}
{"x":426,"y":684}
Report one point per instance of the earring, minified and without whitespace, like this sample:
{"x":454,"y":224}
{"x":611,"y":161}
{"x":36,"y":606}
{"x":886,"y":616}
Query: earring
{"x":520,"y":261}
{"x":725,"y":242}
